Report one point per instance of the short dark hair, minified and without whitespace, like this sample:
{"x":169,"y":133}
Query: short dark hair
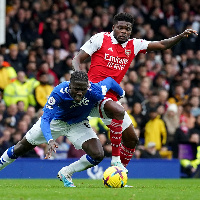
{"x":79,"y":76}
{"x":123,"y":17}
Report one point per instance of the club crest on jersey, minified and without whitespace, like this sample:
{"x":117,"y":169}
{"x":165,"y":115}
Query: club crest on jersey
{"x":51,"y":101}
{"x":128,"y":52}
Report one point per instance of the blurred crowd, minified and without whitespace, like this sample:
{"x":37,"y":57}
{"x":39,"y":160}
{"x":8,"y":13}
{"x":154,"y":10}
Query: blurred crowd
{"x":162,"y":88}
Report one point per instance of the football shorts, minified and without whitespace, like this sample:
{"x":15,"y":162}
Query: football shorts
{"x":98,"y":111}
{"x":77,"y":133}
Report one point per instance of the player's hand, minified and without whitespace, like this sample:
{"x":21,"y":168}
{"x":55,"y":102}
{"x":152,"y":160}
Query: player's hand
{"x":188,"y":32}
{"x":51,"y":147}
{"x":122,"y":96}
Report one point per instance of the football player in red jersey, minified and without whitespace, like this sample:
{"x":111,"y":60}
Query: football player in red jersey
{"x":111,"y":55}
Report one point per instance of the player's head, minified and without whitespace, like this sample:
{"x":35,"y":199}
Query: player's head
{"x":78,"y":85}
{"x":122,"y":27}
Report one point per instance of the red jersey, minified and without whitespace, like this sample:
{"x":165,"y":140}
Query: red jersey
{"x":111,"y":59}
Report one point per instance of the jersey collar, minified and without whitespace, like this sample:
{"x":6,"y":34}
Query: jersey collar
{"x":114,"y":41}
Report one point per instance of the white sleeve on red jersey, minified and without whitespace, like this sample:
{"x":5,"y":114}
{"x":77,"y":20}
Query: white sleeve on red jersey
{"x":140,"y":46}
{"x":93,"y":44}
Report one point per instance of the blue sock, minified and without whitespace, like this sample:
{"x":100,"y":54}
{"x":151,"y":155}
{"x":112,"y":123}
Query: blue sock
{"x":11,"y":154}
{"x":92,"y":161}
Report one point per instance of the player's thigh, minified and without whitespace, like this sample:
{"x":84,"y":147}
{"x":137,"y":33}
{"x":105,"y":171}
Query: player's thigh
{"x":80,"y":133}
{"x":107,"y":108}
{"x":126,"y":121}
{"x":114,"y":110}
{"x":35,"y":136}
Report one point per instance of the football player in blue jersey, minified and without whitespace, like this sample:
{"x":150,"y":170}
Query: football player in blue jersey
{"x":65,"y":113}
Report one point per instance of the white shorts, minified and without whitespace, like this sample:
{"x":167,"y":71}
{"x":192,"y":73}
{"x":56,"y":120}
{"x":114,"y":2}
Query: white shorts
{"x":77,"y":133}
{"x":98,"y":111}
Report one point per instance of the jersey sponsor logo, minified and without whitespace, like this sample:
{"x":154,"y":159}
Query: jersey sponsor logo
{"x":115,"y":62}
{"x":128,"y":52}
{"x":83,"y":102}
{"x":51,"y":101}
{"x":110,"y":49}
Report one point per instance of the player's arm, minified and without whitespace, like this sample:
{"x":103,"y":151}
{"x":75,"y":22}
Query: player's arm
{"x":91,"y":46}
{"x":110,"y":83}
{"x":168,"y":43}
{"x":78,"y":59}
{"x":50,"y":109}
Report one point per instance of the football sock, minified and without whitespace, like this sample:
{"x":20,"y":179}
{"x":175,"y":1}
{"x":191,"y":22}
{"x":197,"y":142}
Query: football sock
{"x":7,"y":158}
{"x":126,"y":154}
{"x":115,"y":136}
{"x":83,"y":163}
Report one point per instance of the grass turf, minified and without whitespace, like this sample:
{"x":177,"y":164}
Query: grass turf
{"x":144,"y":189}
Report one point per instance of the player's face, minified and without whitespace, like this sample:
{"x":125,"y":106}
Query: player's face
{"x":122,"y":31}
{"x":78,"y":90}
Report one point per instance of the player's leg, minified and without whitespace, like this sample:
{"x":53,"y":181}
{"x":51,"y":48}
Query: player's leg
{"x":12,"y":153}
{"x":32,"y":138}
{"x":82,"y":137}
{"x":129,"y":142}
{"x":94,"y":155}
{"x":120,"y":153}
{"x":116,"y":113}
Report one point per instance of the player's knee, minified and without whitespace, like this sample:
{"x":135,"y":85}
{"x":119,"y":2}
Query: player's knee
{"x":119,"y":113}
{"x":98,"y":156}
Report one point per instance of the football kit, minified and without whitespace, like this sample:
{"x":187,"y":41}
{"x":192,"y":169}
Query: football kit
{"x":63,"y":116}
{"x":111,"y":59}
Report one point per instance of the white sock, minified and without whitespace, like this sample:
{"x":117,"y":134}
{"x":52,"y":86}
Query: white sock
{"x":5,"y":160}
{"x":115,"y":159}
{"x":79,"y":165}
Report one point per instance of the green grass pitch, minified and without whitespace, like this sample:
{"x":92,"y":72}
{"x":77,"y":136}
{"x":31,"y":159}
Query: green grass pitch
{"x":87,"y":189}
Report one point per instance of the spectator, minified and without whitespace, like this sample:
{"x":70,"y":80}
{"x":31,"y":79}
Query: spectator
{"x":150,"y":151}
{"x":171,"y":120}
{"x":14,"y":34}
{"x":190,"y":119}
{"x":77,"y":30}
{"x":5,"y":141}
{"x":182,"y":136}
{"x":32,"y":113}
{"x":179,"y":97}
{"x":194,"y":101}
{"x":56,"y":44}
{"x":10,"y":117}
{"x":42,"y":91}
{"x":21,"y":109}
{"x":50,"y":33}
{"x":17,"y":91}
{"x":15,"y":60}
{"x":45,"y":69}
{"x":7,"y":73}
{"x":65,"y":35}
{"x":155,"y":130}
{"x":58,"y":67}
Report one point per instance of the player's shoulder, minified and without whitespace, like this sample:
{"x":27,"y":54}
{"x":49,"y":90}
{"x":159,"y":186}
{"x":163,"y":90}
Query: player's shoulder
{"x":62,"y":88}
{"x":99,"y":36}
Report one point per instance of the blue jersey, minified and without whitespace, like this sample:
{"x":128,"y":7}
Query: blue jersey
{"x":61,"y":106}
